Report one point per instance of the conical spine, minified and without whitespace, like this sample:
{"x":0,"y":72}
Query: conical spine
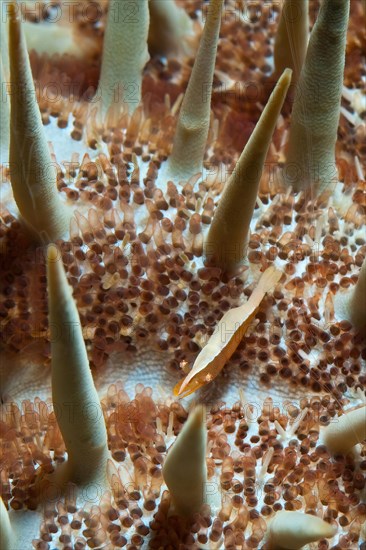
{"x":194,"y":118}
{"x":184,"y":470}
{"x":310,"y":160}
{"x":32,"y":172}
{"x":226,"y":241}
{"x":125,"y":55}
{"x":75,"y":399}
{"x":292,"y":37}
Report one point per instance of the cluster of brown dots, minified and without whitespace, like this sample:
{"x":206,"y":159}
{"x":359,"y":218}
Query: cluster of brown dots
{"x":256,"y":469}
{"x":137,"y":283}
{"x":244,"y":27}
{"x":134,"y":260}
{"x":142,"y":285}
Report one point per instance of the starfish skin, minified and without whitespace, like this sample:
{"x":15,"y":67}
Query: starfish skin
{"x":148,"y":304}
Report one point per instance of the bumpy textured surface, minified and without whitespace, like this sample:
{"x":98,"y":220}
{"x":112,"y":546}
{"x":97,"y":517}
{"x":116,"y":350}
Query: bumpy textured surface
{"x":292,"y":37}
{"x":32,"y":173}
{"x":124,"y":54}
{"x":147,"y":305}
{"x":310,"y":161}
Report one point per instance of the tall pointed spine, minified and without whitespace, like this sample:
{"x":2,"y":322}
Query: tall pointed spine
{"x":194,"y":117}
{"x":6,"y":533}
{"x":169,"y":26}
{"x":346,"y":431}
{"x":33,"y":175}
{"x":74,"y":396}
{"x":184,"y":469}
{"x":4,"y":81}
{"x":4,"y":116}
{"x":292,"y":530}
{"x":125,"y":55}
{"x":292,"y":37}
{"x":227,"y":238}
{"x":310,"y":160}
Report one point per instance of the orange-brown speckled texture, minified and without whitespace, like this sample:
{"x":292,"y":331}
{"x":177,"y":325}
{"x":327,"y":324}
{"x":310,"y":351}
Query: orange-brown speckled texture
{"x":147,"y":310}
